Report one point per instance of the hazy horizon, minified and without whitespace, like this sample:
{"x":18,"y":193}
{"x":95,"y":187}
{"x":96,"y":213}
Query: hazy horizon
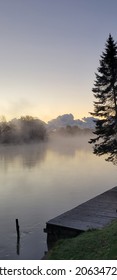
{"x":49,"y":54}
{"x":3,"y":117}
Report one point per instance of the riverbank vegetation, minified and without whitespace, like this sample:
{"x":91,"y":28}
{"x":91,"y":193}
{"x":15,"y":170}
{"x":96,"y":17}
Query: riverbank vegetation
{"x":28,"y":129}
{"x":72,"y":131}
{"x":23,"y":130}
{"x":91,"y":245}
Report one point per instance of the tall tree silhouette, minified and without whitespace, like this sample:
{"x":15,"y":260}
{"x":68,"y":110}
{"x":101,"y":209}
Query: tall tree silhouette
{"x":105,"y":106}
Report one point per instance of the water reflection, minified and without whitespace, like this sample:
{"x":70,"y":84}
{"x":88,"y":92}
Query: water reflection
{"x":26,"y":155}
{"x":29,"y":155}
{"x":39,"y":182}
{"x":18,"y":246}
{"x":68,"y":146}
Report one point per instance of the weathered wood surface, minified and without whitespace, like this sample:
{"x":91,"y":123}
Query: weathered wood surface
{"x":93,"y":214}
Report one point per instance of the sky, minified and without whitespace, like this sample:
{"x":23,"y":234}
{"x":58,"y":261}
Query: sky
{"x":49,"y":53}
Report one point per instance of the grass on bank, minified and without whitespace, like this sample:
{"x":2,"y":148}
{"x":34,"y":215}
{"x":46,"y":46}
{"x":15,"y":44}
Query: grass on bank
{"x":91,"y":245}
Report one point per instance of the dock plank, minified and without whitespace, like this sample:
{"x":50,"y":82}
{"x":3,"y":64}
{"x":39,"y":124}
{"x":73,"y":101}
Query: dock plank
{"x":93,"y":214}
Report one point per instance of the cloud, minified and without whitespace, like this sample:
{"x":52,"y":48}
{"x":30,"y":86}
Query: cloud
{"x":68,"y":119}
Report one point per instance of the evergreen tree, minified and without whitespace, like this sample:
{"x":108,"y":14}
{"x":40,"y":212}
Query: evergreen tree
{"x":105,"y":106}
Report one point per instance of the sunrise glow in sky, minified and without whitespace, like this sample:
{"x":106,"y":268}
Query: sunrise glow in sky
{"x":49,"y":52}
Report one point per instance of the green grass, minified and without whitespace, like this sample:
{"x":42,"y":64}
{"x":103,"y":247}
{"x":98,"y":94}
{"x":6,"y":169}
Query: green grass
{"x":91,"y":245}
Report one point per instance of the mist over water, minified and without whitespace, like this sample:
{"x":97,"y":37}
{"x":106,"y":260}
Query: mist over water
{"x":41,"y":181}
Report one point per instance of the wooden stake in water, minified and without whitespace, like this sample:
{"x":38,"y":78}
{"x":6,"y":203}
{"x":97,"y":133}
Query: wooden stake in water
{"x":18,"y":236}
{"x":17,"y":228}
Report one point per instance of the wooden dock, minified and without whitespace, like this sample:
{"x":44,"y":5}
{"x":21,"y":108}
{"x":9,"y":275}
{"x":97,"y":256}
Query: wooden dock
{"x":93,"y":214}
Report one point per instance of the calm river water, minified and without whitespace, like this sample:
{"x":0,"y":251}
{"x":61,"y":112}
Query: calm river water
{"x":39,"y":182}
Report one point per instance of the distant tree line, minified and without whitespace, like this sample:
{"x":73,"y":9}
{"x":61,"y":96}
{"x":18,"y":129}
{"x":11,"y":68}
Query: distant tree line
{"x":24,"y":130}
{"x":72,"y":130}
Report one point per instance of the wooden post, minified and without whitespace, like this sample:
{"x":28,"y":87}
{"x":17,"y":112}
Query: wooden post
{"x":17,"y":228}
{"x":18,"y":236}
